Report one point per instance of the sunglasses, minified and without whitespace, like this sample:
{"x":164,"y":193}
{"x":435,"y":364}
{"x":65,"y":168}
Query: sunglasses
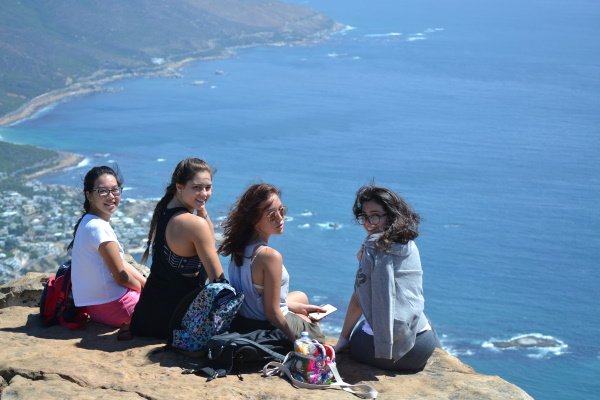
{"x":273,"y":215}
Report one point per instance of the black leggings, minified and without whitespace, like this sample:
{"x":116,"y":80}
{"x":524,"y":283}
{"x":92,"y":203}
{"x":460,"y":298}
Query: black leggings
{"x":362,"y":349}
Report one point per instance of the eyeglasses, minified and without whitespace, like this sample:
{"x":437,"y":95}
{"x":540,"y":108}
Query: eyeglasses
{"x":103,"y":192}
{"x":372,"y":219}
{"x":273,"y":215}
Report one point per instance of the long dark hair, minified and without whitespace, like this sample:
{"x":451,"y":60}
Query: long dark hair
{"x":238,"y":228}
{"x":89,"y":181}
{"x":184,"y":172}
{"x":402,"y":222}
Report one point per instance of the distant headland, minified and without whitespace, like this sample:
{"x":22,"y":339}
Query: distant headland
{"x":64,"y":48}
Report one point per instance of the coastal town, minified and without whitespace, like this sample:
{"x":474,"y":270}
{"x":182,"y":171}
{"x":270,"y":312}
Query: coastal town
{"x":36,"y":226}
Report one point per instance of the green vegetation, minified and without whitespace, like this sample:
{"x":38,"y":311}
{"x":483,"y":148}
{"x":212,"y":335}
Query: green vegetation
{"x":17,"y":160}
{"x":49,"y":45}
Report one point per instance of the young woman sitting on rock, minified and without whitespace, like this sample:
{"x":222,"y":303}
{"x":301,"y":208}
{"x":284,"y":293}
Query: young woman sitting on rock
{"x":103,"y":281}
{"x":184,"y":255}
{"x":257,"y":270}
{"x":388,"y":291}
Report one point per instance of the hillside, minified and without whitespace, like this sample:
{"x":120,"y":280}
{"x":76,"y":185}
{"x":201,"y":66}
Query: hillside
{"x":50,"y":45}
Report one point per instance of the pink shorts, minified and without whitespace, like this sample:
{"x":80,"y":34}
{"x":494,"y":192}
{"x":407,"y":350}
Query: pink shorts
{"x":117,"y":312}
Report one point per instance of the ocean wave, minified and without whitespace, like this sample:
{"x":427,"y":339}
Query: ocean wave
{"x":161,"y":159}
{"x":536,"y":344}
{"x":457,"y":352}
{"x":127,"y":188}
{"x":304,"y":226}
{"x":415,"y":38}
{"x":433,"y":30}
{"x":333,"y":54}
{"x":330,"y":225}
{"x":83,"y":163}
{"x":306,"y":213}
{"x":288,"y":218}
{"x":345,"y":30}
{"x":102,"y":155}
{"x":377,"y":35}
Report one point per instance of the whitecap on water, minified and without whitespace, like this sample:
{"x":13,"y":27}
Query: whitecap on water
{"x":83,"y":163}
{"x":306,"y":213}
{"x":329,"y":225}
{"x":536,"y":344}
{"x":161,"y":159}
{"x":304,"y":226}
{"x":346,"y":29}
{"x":377,"y":35}
{"x":288,"y":218}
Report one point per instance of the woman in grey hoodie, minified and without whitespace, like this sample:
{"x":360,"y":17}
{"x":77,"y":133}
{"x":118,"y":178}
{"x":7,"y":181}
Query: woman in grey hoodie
{"x":395,"y":333}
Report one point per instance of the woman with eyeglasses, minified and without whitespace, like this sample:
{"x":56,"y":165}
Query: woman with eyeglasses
{"x":184,"y":256}
{"x":257,"y":270}
{"x":103,"y":282}
{"x":388,"y":292}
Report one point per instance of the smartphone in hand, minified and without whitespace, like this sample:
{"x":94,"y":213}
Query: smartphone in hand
{"x":317,"y":316}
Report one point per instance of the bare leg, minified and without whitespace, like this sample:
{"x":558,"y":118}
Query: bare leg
{"x":298,"y":297}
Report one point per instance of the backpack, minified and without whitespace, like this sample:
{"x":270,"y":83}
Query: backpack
{"x":233,"y":352}
{"x":56,"y":303}
{"x":203,"y":313}
{"x":312,"y":362}
{"x":313,"y":367}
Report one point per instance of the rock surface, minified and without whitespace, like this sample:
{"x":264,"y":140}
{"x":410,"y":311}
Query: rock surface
{"x":38,"y":362}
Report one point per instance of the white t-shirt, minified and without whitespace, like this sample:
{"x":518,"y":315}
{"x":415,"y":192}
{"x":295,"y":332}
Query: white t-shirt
{"x":92,"y":281}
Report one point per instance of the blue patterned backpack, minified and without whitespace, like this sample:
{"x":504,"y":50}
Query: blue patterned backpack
{"x":203,"y":314}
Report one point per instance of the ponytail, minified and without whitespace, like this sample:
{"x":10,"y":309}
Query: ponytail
{"x":160,"y":208}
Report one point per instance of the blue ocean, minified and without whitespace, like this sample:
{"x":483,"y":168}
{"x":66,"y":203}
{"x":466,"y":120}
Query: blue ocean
{"x":484,"y":115}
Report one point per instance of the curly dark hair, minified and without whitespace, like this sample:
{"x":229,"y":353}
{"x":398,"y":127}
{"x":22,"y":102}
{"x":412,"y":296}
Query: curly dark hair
{"x":238,"y":227}
{"x":402,"y":222}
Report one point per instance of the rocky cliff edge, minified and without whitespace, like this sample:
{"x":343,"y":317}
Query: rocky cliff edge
{"x":38,"y":362}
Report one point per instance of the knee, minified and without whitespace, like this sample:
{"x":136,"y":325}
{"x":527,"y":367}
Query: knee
{"x":298,"y":297}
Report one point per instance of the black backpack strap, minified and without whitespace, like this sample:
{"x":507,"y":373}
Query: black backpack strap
{"x":274,"y":354}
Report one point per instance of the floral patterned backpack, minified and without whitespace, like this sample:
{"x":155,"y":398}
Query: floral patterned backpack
{"x":209,"y":313}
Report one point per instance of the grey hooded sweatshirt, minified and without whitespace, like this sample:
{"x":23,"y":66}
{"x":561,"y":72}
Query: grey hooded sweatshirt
{"x":389,"y":287}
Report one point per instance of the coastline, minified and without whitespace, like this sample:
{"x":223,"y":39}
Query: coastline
{"x":92,"y":84}
{"x":65,"y":160}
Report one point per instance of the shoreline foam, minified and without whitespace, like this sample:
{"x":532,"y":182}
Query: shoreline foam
{"x":91,"y":85}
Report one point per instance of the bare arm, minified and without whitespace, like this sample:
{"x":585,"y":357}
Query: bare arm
{"x":122,"y":274}
{"x":271,"y":264}
{"x":203,"y":213}
{"x":202,"y":236}
{"x":352,"y":316}
{"x":303,"y":308}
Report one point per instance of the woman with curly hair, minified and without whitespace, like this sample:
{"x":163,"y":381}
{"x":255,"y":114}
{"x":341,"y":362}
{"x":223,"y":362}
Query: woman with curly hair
{"x":257,"y":270}
{"x":388,"y":291}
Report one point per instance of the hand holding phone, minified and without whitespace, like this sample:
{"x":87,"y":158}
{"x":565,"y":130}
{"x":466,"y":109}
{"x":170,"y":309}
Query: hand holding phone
{"x":317,"y":316}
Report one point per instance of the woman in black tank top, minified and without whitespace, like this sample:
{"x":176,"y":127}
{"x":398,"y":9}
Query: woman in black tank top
{"x":183,"y":248}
